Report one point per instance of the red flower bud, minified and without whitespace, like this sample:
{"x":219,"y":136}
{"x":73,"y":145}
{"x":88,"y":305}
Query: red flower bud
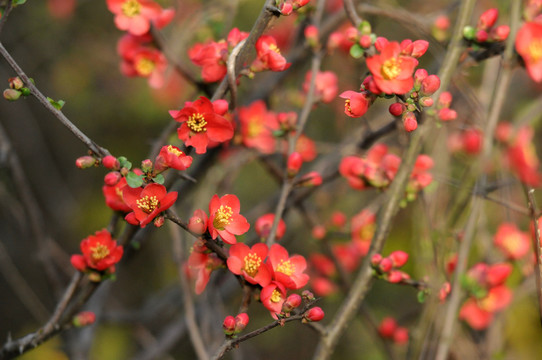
{"x":198,"y":222}
{"x":430,"y":84}
{"x":420,"y":75}
{"x":111,"y":162}
{"x":400,"y":336}
{"x":481,"y":36}
{"x":295,"y":160}
{"x":312,"y":178}
{"x":311,"y":34}
{"x":365,"y":41}
{"x":229,"y":325}
{"x":11,"y":94}
{"x":381,"y":43}
{"x":146,"y":165}
{"x":84,"y":318}
{"x":385,"y":265}
{"x":158,"y":221}
{"x":387,"y":327}
{"x":241,"y":321}
{"x":292,"y":302}
{"x":307,"y":295}
{"x":500,"y":33}
{"x":445,"y":99}
{"x":398,"y":258}
{"x":409,"y":121}
{"x":314,"y":314}
{"x":112,"y":178}
{"x":395,"y":276}
{"x":426,"y":101}
{"x":338,"y":219}
{"x":15,"y":83}
{"x":376,"y":259}
{"x":488,"y":19}
{"x":442,"y":22}
{"x":447,"y":114}
{"x":396,"y":109}
{"x":352,"y":34}
{"x":319,"y":232}
{"x":85,"y":162}
{"x":286,"y":9}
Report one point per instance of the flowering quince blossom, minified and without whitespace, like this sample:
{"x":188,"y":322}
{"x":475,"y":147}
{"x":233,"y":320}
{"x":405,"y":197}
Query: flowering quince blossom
{"x":326,"y":85}
{"x":113,"y":196}
{"x":272,"y":297}
{"x":257,"y":126}
{"x":488,"y":294}
{"x":268,"y":55}
{"x":265,"y":222}
{"x":201,"y":264}
{"x":392,"y":72}
{"x":249,"y":262}
{"x":134,"y":16}
{"x":522,"y":158}
{"x":172,"y":157}
{"x":289,"y":271}
{"x":356,"y":103}
{"x":200,"y":124}
{"x":100,"y":252}
{"x":362,"y":230}
{"x":225,"y":220}
{"x":514,"y":243}
{"x":147,"y":203}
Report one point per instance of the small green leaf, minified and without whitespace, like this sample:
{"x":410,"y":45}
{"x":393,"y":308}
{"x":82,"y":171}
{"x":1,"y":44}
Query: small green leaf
{"x":124,"y":163}
{"x":17,"y":2}
{"x":57,"y":104}
{"x":356,"y":51}
{"x":159,"y":179}
{"x":133,"y":180}
{"x":421,"y":296}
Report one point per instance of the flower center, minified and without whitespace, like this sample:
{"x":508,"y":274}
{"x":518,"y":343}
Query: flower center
{"x":131,"y":8}
{"x":274,"y":48}
{"x":99,"y":252}
{"x":222,"y":217}
{"x":347,"y":106}
{"x":175,"y":151}
{"x":535,"y":50}
{"x":512,"y":243}
{"x":197,"y":123}
{"x":391,"y":68}
{"x":145,"y":67}
{"x":148,"y":204}
{"x":367,"y":231}
{"x":252,"y":264}
{"x":286,"y":267}
{"x":254,"y":129}
{"x":275,"y":296}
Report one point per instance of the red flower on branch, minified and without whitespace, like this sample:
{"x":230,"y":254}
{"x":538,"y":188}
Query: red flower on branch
{"x":529,"y":46}
{"x":201,"y":264}
{"x":268,"y":55}
{"x":113,"y":196}
{"x":392,"y":72}
{"x":172,"y":157}
{"x":257,"y":126}
{"x":100,"y":252}
{"x":225,"y":220}
{"x":147,"y":203}
{"x":272,"y":297}
{"x":134,"y":16}
{"x":289,"y":271}
{"x":200,"y":123}
{"x":249,"y":262}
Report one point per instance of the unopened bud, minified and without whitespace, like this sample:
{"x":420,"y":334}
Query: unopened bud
{"x":396,"y":109}
{"x":146,"y":165}
{"x":409,"y":121}
{"x":112,"y":178}
{"x":229,"y":325}
{"x":12,"y":94}
{"x":430,"y":84}
{"x":500,"y":33}
{"x":400,"y":336}
{"x":445,"y":99}
{"x":398,"y":258}
{"x":319,"y":232}
{"x":292,"y":302}
{"x":241,"y":321}
{"x":84,"y":318}
{"x":376,"y":259}
{"x":426,"y":101}
{"x":482,"y":36}
{"x":365,"y":41}
{"x":294,"y":164}
{"x":352,"y":34}
{"x":488,"y":19}
{"x":313,"y":314}
{"x":78,"y":262}
{"x":307,"y":295}
{"x":15,"y":83}
{"x":387,"y":327}
{"x":385,"y":265}
{"x":311,"y":34}
{"x":111,"y":162}
{"x":198,"y":222}
{"x":395,"y":276}
{"x":469,"y":32}
{"x":84,"y":162}
{"x":286,"y":9}
{"x":312,"y":178}
{"x":158,"y":221}
{"x":447,"y":114}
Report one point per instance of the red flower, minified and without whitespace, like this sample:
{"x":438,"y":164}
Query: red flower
{"x":172,"y":157}
{"x":272,"y":297}
{"x":264,"y":223}
{"x":362,"y":230}
{"x":147,"y":203}
{"x":100,"y":252}
{"x":212,"y":58}
{"x":314,"y":314}
{"x":134,"y":16}
{"x":201,"y":124}
{"x":529,"y":46}
{"x":249,"y":262}
{"x":523,"y":159}
{"x":356,"y":104}
{"x":201,"y":264}
{"x":288,"y":270}
{"x":113,"y":196}
{"x":392,"y":72}
{"x":225,"y":220}
{"x":511,"y":241}
{"x":326,"y":87}
{"x":257,"y":126}
{"x":268,"y":55}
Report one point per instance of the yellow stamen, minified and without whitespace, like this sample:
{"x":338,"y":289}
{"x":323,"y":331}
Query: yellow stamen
{"x":275,"y":296}
{"x":148,"y":204}
{"x":131,"y":8}
{"x":197,"y":123}
{"x":222,"y":217}
{"x":391,"y":68}
{"x":145,"y":67}
{"x":286,"y":267}
{"x":252,"y":264}
{"x":99,"y":252}
{"x":274,"y":48}
{"x":535,"y":50}
{"x":174,"y":151}
{"x":254,"y":128}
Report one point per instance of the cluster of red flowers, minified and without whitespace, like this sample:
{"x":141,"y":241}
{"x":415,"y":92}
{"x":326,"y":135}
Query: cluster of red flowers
{"x":388,"y":329}
{"x":139,"y":56}
{"x":379,"y":167}
{"x":488,"y":294}
{"x":234,"y":325}
{"x":388,"y":267}
{"x":520,"y":152}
